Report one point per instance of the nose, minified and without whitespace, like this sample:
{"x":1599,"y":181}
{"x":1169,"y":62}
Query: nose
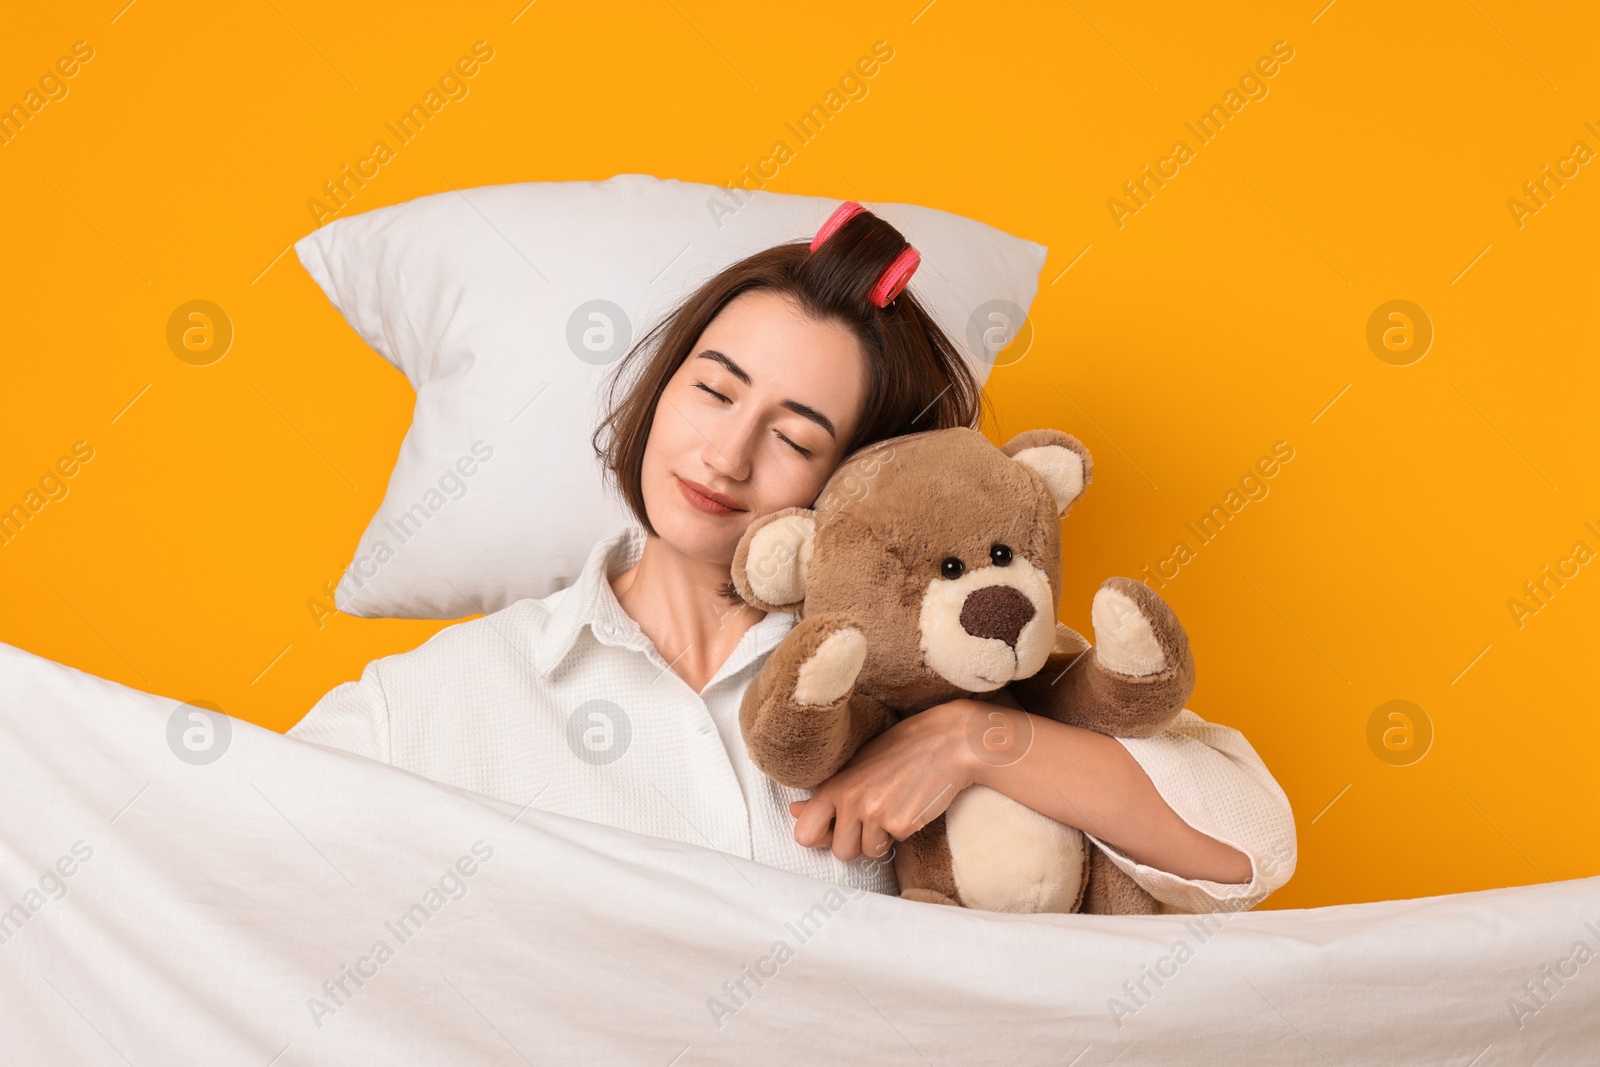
{"x":996,"y":611}
{"x":729,"y":454}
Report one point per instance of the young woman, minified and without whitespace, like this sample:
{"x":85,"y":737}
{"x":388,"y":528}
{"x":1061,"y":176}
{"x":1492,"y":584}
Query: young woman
{"x":616,"y":698}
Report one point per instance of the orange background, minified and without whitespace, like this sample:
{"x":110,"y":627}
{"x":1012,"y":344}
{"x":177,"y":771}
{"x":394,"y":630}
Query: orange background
{"x":1229,"y":313}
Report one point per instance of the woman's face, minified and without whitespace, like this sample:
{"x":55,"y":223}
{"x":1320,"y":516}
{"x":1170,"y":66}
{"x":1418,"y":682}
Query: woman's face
{"x":760,"y":413}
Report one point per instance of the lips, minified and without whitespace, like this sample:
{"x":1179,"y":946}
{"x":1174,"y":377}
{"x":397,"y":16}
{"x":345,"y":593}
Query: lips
{"x":706,"y":499}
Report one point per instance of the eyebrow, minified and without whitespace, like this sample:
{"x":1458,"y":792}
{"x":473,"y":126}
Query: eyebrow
{"x":793,"y":405}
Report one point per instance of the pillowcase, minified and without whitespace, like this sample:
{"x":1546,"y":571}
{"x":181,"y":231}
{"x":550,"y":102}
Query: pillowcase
{"x":507,"y":305}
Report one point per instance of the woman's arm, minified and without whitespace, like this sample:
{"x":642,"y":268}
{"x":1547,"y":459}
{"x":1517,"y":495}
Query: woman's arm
{"x":1089,"y":780}
{"x":1191,"y":814}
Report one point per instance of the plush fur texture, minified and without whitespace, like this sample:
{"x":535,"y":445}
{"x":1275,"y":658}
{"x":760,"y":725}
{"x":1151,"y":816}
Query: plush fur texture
{"x":930,"y":569}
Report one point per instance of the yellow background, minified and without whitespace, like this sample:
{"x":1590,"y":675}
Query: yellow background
{"x":1228,"y":314}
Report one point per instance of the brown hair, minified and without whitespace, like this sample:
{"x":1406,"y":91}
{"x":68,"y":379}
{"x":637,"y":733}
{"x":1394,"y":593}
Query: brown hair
{"x":916,"y":378}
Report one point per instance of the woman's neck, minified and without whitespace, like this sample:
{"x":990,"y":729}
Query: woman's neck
{"x":676,"y":601}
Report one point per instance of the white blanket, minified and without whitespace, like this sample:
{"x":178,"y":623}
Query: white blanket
{"x":169,"y":912}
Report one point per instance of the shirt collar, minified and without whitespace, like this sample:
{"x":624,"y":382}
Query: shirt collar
{"x":591,"y":601}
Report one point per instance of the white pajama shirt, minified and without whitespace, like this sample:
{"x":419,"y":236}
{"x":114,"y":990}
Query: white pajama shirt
{"x":564,"y":703}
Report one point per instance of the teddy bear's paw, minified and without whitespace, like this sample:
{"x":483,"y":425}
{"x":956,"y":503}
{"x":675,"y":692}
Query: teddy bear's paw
{"x":831,"y":670}
{"x":1127,"y":616}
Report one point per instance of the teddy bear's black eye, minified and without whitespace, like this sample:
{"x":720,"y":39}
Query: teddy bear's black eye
{"x":1000,"y":555}
{"x":952,"y":567}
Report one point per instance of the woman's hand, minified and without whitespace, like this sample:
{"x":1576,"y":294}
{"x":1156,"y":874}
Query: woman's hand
{"x":899,"y":781}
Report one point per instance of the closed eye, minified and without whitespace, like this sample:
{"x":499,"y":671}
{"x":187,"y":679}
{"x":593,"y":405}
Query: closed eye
{"x":806,"y":452}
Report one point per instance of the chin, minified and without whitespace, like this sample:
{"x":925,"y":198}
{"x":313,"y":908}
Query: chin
{"x":690,"y":531}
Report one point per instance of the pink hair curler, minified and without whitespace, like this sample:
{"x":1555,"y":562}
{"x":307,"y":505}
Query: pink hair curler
{"x":895,"y":276}
{"x":841,"y":215}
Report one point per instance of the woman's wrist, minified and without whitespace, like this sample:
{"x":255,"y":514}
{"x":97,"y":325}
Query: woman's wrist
{"x":994,"y":737}
{"x":958,"y":767}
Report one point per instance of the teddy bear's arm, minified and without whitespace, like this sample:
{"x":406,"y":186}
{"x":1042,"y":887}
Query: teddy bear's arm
{"x":802,"y":718}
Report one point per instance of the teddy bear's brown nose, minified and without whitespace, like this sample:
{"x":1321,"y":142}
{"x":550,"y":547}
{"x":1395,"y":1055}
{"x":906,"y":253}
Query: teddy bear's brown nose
{"x":996,"y":611}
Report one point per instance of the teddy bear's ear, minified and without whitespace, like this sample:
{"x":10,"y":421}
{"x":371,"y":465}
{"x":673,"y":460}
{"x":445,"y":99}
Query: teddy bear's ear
{"x":769,"y":566}
{"x":1059,"y":458}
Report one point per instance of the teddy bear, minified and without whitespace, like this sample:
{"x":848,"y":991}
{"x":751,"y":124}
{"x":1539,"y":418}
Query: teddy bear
{"x":929,"y":568}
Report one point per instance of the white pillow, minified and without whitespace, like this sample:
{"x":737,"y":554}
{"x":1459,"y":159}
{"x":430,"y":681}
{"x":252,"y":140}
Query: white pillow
{"x":507,"y":305}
